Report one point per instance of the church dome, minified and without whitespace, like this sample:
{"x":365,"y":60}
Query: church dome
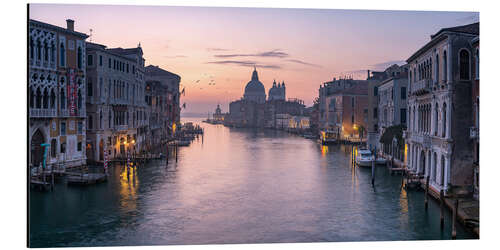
{"x":254,"y":90}
{"x":255,"y":86}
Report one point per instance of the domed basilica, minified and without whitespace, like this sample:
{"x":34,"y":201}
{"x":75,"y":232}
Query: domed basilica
{"x":255,"y":91}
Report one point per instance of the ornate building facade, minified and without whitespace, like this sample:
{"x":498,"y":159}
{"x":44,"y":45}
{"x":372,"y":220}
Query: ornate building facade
{"x":440,"y":81}
{"x":57,"y":75}
{"x":117,"y":117}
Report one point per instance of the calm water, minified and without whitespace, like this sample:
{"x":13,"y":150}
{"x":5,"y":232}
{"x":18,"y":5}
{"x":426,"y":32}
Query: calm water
{"x":238,"y":186}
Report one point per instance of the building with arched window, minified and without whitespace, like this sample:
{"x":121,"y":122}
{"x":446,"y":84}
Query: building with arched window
{"x":56,"y":99}
{"x":437,"y":137}
{"x":114,"y":106}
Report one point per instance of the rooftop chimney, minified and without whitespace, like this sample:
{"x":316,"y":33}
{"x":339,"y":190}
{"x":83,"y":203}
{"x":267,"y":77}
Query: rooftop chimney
{"x":70,"y":24}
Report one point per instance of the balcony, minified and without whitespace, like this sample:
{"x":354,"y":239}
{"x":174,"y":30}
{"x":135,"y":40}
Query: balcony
{"x":65,"y":113}
{"x":425,"y":140}
{"x":121,"y":127}
{"x":474,"y":133}
{"x":43,"y":113}
{"x":421,"y":87}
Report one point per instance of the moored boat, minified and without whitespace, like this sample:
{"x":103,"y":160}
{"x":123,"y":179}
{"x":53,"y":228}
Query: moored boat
{"x":364,"y":158}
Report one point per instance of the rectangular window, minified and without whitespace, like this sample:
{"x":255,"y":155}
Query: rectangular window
{"x":80,"y":127}
{"x":352,"y":102}
{"x":63,"y":128}
{"x":53,"y":148}
{"x":127,"y":67}
{"x":352,"y":119}
{"x":375,"y":113}
{"x":79,"y":146}
{"x":63,"y":147}
{"x":403,"y":116}
{"x":100,"y":60}
{"x":403,"y":93}
{"x":90,"y":60}
{"x":109,"y":63}
{"x":375,"y":91}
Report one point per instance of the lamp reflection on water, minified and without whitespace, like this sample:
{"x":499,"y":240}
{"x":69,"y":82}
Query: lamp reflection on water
{"x":129,"y":183}
{"x":324,"y":150}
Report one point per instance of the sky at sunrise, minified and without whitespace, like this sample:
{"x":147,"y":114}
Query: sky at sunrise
{"x":303,"y":47}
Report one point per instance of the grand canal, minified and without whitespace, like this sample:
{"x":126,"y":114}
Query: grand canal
{"x":238,"y":186}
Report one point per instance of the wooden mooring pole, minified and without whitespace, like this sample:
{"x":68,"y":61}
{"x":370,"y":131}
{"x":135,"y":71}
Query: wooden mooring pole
{"x":441,"y":204}
{"x":454,"y":222}
{"x":427,"y":193}
{"x":176,"y":152}
{"x":373,"y":169}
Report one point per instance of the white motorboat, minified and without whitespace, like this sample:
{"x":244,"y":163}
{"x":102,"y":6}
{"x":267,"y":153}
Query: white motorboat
{"x":364,"y":158}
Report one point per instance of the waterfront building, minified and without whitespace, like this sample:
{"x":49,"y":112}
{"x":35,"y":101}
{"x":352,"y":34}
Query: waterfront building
{"x":171,"y":82}
{"x":474,"y":130}
{"x":252,"y":110}
{"x":440,"y":107}
{"x":218,"y":116}
{"x":299,"y":123}
{"x":158,"y":114}
{"x":277,"y":92}
{"x":56,"y":86}
{"x":375,"y":79}
{"x":347,"y":112}
{"x":392,"y":95}
{"x":116,"y":107}
{"x":254,"y":90}
{"x":392,"y":108}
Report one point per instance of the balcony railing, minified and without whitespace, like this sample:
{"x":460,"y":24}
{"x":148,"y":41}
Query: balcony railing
{"x":43,"y":112}
{"x":121,"y":127}
{"x":425,"y":140}
{"x":65,"y":113}
{"x":421,"y":87}
{"x":474,"y":133}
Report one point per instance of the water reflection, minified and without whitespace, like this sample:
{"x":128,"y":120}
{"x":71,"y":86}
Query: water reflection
{"x":237,"y":186}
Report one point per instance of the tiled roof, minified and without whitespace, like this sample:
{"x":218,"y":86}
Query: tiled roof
{"x":472,"y":28}
{"x":157,"y":71}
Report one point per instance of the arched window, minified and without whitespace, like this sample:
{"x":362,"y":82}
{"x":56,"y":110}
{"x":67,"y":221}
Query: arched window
{"x":429,"y":75}
{"x":437,"y":68}
{"x":445,"y":67}
{"x":62,"y":54}
{"x":39,"y":50}
{"x":80,"y":56}
{"x":32,"y":49}
{"x":434,"y":167}
{"x":53,"y":52}
{"x":436,"y":116}
{"x":442,"y":170}
{"x":62,"y":99}
{"x":45,"y":99}
{"x":46,"y":51}
{"x":477,"y":63}
{"x":100,"y":119}
{"x":464,"y":64}
{"x":52,"y":99}
{"x":32,"y":98}
{"x":443,"y":119}
{"x":38,"y":98}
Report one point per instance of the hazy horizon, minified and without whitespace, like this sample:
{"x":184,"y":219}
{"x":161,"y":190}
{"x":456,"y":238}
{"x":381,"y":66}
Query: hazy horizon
{"x":214,"y":49}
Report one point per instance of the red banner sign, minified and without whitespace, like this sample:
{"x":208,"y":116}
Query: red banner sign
{"x":72,"y":93}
